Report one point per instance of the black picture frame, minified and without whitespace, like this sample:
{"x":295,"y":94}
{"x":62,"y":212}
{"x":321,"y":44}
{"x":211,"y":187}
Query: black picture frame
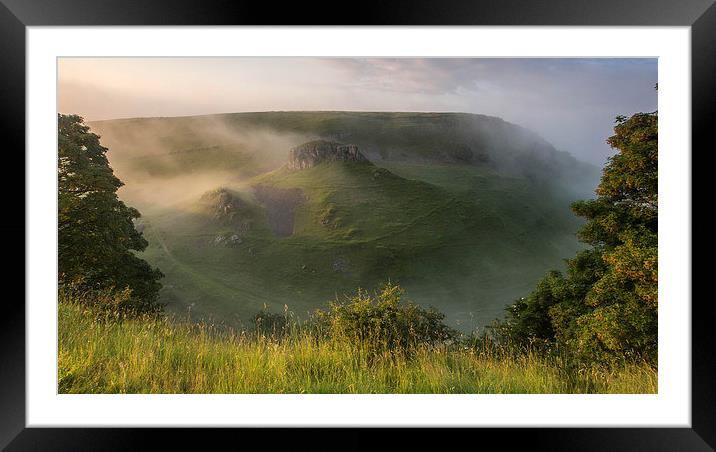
{"x":16,"y":15}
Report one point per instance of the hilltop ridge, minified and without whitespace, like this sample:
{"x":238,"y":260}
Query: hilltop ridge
{"x":253,"y":143}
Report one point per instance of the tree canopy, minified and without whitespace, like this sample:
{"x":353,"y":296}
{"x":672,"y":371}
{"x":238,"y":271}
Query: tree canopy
{"x":605,"y":307}
{"x":96,"y":231}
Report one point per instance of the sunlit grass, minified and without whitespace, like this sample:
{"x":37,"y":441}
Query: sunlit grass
{"x":163,"y":356}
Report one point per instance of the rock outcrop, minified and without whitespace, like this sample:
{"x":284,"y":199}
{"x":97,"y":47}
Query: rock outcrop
{"x":312,"y":153}
{"x":227,"y":209}
{"x":221,"y":204}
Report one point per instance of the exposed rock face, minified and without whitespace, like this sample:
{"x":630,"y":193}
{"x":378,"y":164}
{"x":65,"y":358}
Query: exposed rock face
{"x":312,"y":153}
{"x":228,"y":210}
{"x":222,"y":205}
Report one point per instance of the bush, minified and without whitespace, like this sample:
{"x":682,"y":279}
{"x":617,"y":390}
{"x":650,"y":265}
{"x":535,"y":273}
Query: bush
{"x":528,"y":320}
{"x":271,"y":324}
{"x":383,"y":322}
{"x":106,"y":303}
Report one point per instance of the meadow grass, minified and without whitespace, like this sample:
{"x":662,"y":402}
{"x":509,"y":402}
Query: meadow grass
{"x":160,"y":355}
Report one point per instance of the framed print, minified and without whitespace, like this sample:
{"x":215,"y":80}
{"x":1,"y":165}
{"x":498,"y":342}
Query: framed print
{"x":422,"y":217}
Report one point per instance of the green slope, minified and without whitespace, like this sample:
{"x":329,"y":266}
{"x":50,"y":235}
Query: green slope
{"x":467,"y":243}
{"x":471,"y":139}
{"x":465,"y":211}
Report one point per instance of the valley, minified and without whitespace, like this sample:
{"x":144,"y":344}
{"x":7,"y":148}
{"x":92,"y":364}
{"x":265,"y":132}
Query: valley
{"x":277,"y":210}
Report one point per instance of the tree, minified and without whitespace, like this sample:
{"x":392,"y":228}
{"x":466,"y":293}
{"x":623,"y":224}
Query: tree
{"x":621,"y":317}
{"x":605,"y":308}
{"x":96,"y":232}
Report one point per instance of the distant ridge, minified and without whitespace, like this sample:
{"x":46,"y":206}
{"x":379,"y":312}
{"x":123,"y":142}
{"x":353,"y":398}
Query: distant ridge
{"x":255,"y":142}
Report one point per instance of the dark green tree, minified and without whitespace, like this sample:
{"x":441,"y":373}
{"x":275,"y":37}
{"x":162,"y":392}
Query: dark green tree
{"x":605,"y":307}
{"x":96,"y":231}
{"x":621,"y":304}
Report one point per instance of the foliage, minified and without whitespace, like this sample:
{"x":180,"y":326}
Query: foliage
{"x":96,"y":233}
{"x":272,"y":324}
{"x":163,"y":356}
{"x":605,"y":308}
{"x":384,"y":321}
{"x":528,"y":319}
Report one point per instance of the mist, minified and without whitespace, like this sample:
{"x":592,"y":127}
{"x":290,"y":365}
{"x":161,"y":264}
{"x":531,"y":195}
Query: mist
{"x":571,"y":102}
{"x":150,"y":158}
{"x":467,"y":213}
{"x":171,"y":162}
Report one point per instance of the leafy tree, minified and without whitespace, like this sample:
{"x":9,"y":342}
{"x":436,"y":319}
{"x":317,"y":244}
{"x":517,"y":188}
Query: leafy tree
{"x":96,"y":232}
{"x":623,"y":225}
{"x":528,"y":319}
{"x":605,"y":308}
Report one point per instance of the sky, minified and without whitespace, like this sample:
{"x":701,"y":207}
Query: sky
{"x":570,"y":102}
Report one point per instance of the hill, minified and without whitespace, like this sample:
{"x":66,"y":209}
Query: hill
{"x":465,"y":211}
{"x":264,"y":137}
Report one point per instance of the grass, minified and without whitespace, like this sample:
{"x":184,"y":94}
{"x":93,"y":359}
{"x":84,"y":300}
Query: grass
{"x":460,"y":209}
{"x":468,"y":235}
{"x":465,"y":239}
{"x":390,"y":136}
{"x":158,"y":355}
{"x":197,"y":160}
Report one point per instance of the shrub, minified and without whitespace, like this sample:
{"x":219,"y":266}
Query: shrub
{"x":271,"y":324}
{"x":383,"y":322}
{"x":106,"y":303}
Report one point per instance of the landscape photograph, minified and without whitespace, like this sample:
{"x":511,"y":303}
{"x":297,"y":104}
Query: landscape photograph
{"x":271,"y":225}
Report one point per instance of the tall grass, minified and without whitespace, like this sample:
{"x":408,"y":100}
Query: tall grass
{"x":104,"y":354}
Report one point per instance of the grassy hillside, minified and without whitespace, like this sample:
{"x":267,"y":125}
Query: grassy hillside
{"x":465,"y":211}
{"x":469,"y":247}
{"x":197,"y":160}
{"x":472,"y":139}
{"x":160,"y":356}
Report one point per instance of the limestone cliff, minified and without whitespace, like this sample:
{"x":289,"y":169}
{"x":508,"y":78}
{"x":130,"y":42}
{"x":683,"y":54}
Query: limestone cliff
{"x":312,"y":153}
